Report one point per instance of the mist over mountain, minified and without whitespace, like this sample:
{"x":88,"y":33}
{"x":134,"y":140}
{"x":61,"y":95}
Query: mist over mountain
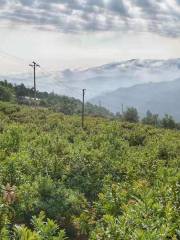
{"x":145,"y":84}
{"x":161,"y":98}
{"x":102,"y":79}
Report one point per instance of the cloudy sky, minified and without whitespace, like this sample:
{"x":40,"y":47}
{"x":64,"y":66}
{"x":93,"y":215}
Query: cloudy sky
{"x":82,"y":33}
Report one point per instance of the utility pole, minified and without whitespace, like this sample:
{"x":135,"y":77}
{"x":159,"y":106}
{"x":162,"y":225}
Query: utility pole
{"x":34,"y":65}
{"x":83,"y":92}
{"x":122,"y":109}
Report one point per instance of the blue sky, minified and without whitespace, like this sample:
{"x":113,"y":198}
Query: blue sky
{"x":82,"y":33}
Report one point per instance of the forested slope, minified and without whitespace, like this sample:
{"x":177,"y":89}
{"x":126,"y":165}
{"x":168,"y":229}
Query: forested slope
{"x":161,"y":98}
{"x":113,"y":180}
{"x":67,"y":105}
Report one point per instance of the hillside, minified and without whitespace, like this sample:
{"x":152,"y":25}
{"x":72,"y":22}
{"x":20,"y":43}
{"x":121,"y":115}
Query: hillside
{"x":112,"y":181}
{"x":160,"y":98}
{"x":101,"y":79}
{"x":67,"y":105}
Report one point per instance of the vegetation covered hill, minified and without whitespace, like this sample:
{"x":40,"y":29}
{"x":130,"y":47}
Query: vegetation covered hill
{"x":67,"y":105}
{"x":71,"y":106}
{"x":113,"y":180}
{"x":159,"y":97}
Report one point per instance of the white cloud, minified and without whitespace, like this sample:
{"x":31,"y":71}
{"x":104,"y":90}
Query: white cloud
{"x":81,"y":33}
{"x":159,"y":16}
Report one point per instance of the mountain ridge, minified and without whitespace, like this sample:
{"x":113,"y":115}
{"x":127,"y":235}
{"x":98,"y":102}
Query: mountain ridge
{"x":160,"y":97}
{"x":102,"y":79}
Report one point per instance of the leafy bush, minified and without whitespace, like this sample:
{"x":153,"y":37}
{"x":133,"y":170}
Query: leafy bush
{"x":131,"y":115}
{"x":112,"y":180}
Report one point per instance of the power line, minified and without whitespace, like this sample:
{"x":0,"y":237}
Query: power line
{"x":18,"y":59}
{"x":72,"y":89}
{"x":61,"y":83}
{"x":13,"y":56}
{"x":43,"y":70}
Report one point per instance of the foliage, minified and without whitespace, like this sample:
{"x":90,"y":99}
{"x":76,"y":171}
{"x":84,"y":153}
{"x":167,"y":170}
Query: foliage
{"x":113,"y":180}
{"x":6,"y":94}
{"x":64,"y":104}
{"x":168,"y":122}
{"x":131,"y":115}
{"x":43,"y":230}
{"x":151,"y":119}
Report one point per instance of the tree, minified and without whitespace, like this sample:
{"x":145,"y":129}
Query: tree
{"x":151,"y":119}
{"x":131,"y":115}
{"x":5,"y":94}
{"x":168,"y":122}
{"x":21,"y":90}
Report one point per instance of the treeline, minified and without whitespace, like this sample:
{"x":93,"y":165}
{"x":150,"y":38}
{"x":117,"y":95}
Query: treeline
{"x":131,"y":115}
{"x":70,"y":106}
{"x":67,"y":105}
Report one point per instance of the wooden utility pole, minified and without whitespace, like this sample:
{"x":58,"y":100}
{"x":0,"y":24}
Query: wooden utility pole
{"x":83,"y":92}
{"x":122,"y":106}
{"x":34,"y":65}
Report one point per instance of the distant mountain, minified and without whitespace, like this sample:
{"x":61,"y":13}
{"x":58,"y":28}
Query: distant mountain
{"x":161,"y":98}
{"x":102,"y":79}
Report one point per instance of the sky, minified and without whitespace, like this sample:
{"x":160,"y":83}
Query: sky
{"x":61,"y":34}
